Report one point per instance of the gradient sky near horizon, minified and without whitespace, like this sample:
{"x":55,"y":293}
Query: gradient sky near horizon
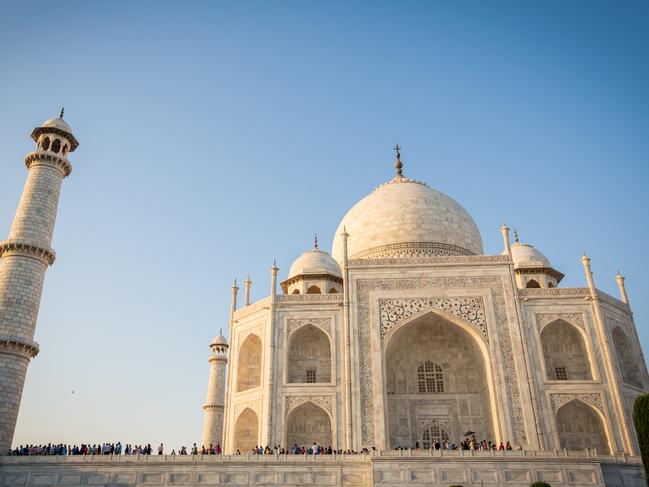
{"x":217,"y":136}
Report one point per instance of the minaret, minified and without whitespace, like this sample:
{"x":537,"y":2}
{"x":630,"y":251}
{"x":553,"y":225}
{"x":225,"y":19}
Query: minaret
{"x":214,"y":405}
{"x":24,"y":258}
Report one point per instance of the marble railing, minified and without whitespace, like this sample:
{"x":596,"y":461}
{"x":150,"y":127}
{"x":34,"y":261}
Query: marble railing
{"x":588,"y":454}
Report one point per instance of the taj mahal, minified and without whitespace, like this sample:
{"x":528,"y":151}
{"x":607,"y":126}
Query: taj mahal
{"x":405,"y":336}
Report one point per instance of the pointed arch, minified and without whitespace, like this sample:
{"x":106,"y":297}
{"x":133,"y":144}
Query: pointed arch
{"x":581,"y":426}
{"x":313,"y":290}
{"x":309,"y":355}
{"x":532,"y":284}
{"x":249,"y":363}
{"x":438,"y":337}
{"x":306,"y":424}
{"x":626,"y":358}
{"x":565,"y":352}
{"x":246,"y":431}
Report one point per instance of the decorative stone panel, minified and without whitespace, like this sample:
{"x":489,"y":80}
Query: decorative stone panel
{"x":325,"y":402}
{"x":309,"y":298}
{"x":593,"y":398}
{"x":446,"y":259}
{"x":469,"y":309}
{"x":555,"y":291}
{"x":543,"y":319}
{"x":322,"y":323}
{"x":408,"y":250}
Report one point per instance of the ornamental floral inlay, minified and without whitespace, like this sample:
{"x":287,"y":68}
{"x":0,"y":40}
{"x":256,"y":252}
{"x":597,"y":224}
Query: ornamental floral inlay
{"x":592,"y":398}
{"x":295,"y":323}
{"x":543,"y":319}
{"x":469,"y":309}
{"x":325,"y":402}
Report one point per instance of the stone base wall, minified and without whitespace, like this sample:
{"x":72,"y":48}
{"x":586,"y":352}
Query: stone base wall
{"x":421,"y":468}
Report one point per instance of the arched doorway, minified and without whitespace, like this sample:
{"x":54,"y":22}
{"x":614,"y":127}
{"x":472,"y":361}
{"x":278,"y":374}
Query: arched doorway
{"x":306,"y":424}
{"x":565,"y":352}
{"x":436,"y":376}
{"x":249,"y":364}
{"x":246,"y":431}
{"x":629,"y":366}
{"x":579,"y":426}
{"x":309,"y":356}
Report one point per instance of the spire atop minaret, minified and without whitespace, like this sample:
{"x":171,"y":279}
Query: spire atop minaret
{"x":398,"y":164}
{"x":315,"y":241}
{"x":62,"y":110}
{"x":516,"y":236}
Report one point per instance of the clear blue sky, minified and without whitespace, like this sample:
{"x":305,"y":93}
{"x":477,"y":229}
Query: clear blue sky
{"x":217,"y":136}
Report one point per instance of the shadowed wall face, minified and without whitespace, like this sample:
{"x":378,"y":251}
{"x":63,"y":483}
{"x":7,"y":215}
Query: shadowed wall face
{"x":436,"y":384}
{"x":246,"y":431}
{"x":307,"y":424}
{"x":579,"y":427}
{"x":627,"y":359}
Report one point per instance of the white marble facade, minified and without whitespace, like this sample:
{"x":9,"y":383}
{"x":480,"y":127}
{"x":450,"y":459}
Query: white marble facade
{"x":408,"y":334}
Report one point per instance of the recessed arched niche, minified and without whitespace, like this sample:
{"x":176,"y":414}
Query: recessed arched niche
{"x":249,"y":364}
{"x":309,"y":356}
{"x":431,"y":393}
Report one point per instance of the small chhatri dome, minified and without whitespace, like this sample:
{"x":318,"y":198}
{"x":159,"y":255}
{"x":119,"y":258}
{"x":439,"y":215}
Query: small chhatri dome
{"x":524,"y":255}
{"x":315,"y":262}
{"x":531,"y":267}
{"x":58,"y":126}
{"x":219,"y":340}
{"x":407,"y":218}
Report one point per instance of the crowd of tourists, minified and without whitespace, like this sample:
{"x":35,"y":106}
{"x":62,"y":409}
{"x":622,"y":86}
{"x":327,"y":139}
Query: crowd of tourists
{"x":315,"y":449}
{"x":466,"y":444}
{"x":88,"y":449}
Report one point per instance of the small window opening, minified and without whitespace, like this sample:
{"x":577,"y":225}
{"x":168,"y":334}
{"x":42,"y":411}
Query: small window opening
{"x":310,"y":376}
{"x":430,"y":378}
{"x":46,"y":143}
{"x":432,"y":435}
{"x":313,"y":290}
{"x":560,"y":373}
{"x":332,"y":290}
{"x":56,"y":146}
{"x":532,"y":284}
{"x":296,"y":291}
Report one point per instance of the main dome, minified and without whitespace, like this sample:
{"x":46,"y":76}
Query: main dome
{"x":407,"y":218}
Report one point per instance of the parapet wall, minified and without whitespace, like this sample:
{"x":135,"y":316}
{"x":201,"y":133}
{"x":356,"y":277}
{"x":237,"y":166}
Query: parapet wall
{"x":420,"y":468}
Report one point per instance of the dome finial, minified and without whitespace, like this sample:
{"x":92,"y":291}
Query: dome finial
{"x":62,"y":110}
{"x":315,"y":241}
{"x":516,"y":236}
{"x":398,"y":164}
